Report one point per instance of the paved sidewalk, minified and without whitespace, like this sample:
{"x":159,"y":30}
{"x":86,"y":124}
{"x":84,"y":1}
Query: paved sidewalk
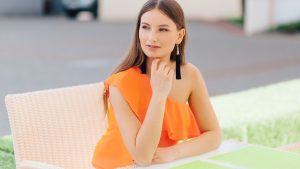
{"x":42,"y":53}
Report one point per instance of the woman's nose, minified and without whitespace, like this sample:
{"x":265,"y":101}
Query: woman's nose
{"x":152,"y":36}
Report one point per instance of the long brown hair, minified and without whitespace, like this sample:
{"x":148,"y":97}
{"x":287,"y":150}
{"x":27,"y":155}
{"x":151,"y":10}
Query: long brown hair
{"x":136,"y":56}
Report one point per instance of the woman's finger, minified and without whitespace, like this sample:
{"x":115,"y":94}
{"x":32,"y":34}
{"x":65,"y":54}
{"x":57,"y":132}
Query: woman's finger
{"x":156,"y":161}
{"x":154,"y":65}
{"x":162,"y":66}
{"x":167,"y":70}
{"x":171,"y":73}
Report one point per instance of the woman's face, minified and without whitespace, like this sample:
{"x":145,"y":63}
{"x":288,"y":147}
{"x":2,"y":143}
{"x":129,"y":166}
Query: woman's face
{"x":158,"y":34}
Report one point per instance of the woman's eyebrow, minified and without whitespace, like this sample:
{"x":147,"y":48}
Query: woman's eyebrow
{"x":163,"y":25}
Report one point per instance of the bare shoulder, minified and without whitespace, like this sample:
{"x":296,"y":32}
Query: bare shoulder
{"x":194,"y":76}
{"x":191,"y":71}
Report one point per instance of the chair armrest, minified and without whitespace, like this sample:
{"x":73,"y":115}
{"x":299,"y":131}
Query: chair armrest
{"x":38,"y":165}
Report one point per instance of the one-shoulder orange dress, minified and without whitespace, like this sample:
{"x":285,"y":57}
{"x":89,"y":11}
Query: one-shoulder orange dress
{"x":179,"y":122}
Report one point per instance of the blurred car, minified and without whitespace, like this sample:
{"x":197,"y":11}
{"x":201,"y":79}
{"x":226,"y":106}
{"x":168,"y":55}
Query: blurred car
{"x":73,"y":7}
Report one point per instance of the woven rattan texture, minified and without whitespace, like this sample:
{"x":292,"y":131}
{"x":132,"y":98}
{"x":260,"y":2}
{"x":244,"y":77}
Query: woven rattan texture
{"x":57,"y":126}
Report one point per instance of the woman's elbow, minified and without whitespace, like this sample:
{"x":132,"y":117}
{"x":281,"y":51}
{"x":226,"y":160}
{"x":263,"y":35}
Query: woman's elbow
{"x":217,"y":139}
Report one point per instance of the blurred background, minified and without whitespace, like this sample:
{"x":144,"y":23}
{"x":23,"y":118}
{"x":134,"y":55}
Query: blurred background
{"x":237,"y":44}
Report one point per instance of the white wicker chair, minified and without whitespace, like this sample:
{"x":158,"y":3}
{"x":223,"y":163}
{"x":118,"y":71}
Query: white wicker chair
{"x":56,"y":128}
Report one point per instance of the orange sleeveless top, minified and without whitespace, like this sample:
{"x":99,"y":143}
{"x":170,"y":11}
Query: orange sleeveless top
{"x":179,"y":122}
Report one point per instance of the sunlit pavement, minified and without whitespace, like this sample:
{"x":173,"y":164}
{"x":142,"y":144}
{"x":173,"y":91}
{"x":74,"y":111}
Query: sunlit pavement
{"x":39,"y":53}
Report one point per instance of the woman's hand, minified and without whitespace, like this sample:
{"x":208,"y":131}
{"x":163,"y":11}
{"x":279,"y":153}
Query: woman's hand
{"x":163,"y":155}
{"x":161,"y":78}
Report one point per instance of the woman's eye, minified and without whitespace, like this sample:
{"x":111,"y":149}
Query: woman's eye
{"x":164,"y":30}
{"x":145,"y":27}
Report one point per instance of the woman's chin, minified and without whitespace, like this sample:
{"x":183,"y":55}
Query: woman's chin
{"x":153,"y":57}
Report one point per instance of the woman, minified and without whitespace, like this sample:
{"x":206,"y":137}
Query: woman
{"x":158,"y":105}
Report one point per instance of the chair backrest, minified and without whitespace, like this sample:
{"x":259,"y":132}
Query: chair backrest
{"x":57,"y":126}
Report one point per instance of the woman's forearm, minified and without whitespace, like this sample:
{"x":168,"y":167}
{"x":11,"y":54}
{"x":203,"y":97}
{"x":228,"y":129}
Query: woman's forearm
{"x":206,"y":142}
{"x":149,"y":133}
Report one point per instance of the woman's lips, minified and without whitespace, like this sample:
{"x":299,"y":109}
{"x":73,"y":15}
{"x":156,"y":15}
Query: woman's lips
{"x":153,"y":46}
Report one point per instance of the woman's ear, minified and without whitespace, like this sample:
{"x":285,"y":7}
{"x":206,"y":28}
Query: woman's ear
{"x":181,"y":34}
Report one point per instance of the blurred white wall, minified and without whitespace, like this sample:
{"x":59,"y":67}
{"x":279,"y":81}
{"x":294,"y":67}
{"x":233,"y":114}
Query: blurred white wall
{"x":286,"y":11}
{"x":116,"y":10}
{"x":257,"y":16}
{"x":211,"y":9}
{"x":263,"y":14}
{"x":127,"y":10}
{"x":17,"y":7}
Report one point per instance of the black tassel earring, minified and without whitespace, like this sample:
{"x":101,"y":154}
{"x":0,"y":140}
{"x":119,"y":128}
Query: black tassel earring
{"x":178,"y":73}
{"x":144,"y":66}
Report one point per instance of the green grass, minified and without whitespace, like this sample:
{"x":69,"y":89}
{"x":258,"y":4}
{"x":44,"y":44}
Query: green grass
{"x":236,"y":21}
{"x":7,"y":160}
{"x":271,"y":133}
{"x":268,"y":115}
{"x":292,"y":27}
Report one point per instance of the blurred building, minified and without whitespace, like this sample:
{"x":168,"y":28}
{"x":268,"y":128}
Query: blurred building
{"x":261,"y":15}
{"x":127,"y":10}
{"x":257,"y":15}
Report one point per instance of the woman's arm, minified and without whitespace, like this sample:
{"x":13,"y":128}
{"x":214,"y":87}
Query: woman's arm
{"x":210,"y":137}
{"x":200,"y":105}
{"x":198,"y":145}
{"x":142,"y":139}
{"x":206,"y":142}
